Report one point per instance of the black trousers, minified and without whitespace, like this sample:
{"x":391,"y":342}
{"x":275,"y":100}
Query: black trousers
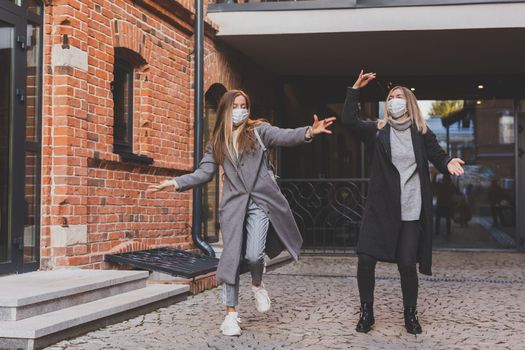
{"x":406,"y":258}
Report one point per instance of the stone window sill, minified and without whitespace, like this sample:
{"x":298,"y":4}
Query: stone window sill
{"x":134,"y":158}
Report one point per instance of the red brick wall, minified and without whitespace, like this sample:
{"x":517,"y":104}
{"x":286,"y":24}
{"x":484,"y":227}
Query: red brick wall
{"x":91,"y":200}
{"x":234,"y":71}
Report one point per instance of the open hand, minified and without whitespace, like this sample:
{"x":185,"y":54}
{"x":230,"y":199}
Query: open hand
{"x":321,"y":126}
{"x":363,"y":80}
{"x":455,"y":166}
{"x":159,"y":187}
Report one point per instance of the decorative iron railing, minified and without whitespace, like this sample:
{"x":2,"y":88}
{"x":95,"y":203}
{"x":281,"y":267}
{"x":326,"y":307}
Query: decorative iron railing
{"x":327,"y":211}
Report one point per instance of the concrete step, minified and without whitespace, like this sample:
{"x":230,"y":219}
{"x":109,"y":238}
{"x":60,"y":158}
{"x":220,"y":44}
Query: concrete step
{"x":279,"y":260}
{"x":36,"y":293}
{"x":42,"y":330}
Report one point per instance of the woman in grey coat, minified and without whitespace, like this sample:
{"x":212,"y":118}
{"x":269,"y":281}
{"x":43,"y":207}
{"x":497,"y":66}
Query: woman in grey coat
{"x":251,"y":201}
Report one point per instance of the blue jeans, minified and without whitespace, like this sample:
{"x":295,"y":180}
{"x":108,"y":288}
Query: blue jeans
{"x":256,"y":227}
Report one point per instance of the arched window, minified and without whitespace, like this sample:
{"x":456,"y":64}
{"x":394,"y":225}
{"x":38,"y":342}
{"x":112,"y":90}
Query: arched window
{"x":122,"y":88}
{"x":126,"y":62}
{"x":210,"y":215}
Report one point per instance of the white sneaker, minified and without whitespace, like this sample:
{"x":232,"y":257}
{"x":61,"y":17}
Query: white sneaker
{"x":230,"y":325}
{"x":262,"y":300}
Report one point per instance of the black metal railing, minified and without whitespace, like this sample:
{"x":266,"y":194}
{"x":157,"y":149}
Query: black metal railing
{"x":327,"y":211}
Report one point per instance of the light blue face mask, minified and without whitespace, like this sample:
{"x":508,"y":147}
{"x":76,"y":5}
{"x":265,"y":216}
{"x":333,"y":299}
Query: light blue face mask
{"x":396,"y":107}
{"x":239,"y":115}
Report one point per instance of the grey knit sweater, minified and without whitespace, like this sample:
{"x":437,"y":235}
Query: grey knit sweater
{"x":404,"y":160}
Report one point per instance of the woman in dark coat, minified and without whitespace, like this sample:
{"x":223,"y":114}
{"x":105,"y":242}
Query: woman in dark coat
{"x":251,"y":199}
{"x":397,"y":221}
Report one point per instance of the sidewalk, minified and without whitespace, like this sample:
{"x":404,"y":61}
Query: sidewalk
{"x":475,"y":300}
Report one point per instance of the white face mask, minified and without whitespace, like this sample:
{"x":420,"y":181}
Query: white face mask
{"x":239,"y":115}
{"x":396,"y":107}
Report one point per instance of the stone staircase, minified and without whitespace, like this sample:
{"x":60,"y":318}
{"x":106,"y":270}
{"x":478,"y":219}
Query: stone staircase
{"x":41,"y":308}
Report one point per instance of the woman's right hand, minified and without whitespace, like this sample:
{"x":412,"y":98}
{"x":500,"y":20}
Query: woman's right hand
{"x":161,"y":186}
{"x":363,"y":80}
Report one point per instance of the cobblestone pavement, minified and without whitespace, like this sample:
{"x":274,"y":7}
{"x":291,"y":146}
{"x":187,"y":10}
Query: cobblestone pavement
{"x":474,"y":301}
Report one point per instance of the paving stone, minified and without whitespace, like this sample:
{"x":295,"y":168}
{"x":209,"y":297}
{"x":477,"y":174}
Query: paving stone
{"x":475,"y":300}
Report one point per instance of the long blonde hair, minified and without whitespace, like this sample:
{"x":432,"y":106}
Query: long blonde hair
{"x":414,"y":113}
{"x":222,"y":137}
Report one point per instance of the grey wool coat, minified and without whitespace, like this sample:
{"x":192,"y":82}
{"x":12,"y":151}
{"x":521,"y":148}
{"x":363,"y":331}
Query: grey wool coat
{"x":250,"y":177}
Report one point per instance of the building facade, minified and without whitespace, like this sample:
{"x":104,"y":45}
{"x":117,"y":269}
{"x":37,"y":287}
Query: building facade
{"x":97,"y":103}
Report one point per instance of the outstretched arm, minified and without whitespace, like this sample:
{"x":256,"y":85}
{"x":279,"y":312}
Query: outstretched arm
{"x":274,"y":136}
{"x":203,"y":174}
{"x":441,"y":160}
{"x":364,"y":129}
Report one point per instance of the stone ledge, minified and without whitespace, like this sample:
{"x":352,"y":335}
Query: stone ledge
{"x":41,"y":286}
{"x":196,"y":285}
{"x":53,"y":322}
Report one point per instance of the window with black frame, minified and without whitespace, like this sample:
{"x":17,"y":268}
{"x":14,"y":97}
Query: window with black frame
{"x":127,"y":62}
{"x":122,"y":88}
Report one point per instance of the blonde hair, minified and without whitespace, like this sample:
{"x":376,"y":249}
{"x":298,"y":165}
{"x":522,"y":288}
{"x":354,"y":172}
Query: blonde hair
{"x":414,"y":113}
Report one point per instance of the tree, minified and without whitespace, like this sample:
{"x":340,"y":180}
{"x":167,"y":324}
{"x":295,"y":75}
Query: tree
{"x":445,"y":108}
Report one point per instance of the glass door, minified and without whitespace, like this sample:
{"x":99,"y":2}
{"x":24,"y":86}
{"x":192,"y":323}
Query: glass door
{"x":478,"y":209}
{"x":520,"y":155}
{"x":8,"y":255}
{"x":20,"y":134}
{"x":32,"y":133}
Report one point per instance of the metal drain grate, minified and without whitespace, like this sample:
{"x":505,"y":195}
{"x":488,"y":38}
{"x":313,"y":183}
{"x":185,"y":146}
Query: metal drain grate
{"x":394,"y":278}
{"x":173,"y":261}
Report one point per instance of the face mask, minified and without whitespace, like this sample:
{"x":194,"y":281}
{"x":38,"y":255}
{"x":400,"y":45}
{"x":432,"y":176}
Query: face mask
{"x":239,"y":115}
{"x":396,"y":107}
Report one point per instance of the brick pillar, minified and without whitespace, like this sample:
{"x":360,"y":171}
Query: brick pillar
{"x":64,"y":232}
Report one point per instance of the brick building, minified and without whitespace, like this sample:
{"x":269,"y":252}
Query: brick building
{"x":103,"y":92}
{"x":96,"y":103}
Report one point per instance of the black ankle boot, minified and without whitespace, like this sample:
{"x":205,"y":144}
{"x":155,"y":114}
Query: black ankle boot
{"x":411,"y":322}
{"x":366,"y":318}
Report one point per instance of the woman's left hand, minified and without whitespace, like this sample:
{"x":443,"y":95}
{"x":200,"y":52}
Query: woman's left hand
{"x":161,"y":186}
{"x":455,"y":166}
{"x":321,"y":126}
